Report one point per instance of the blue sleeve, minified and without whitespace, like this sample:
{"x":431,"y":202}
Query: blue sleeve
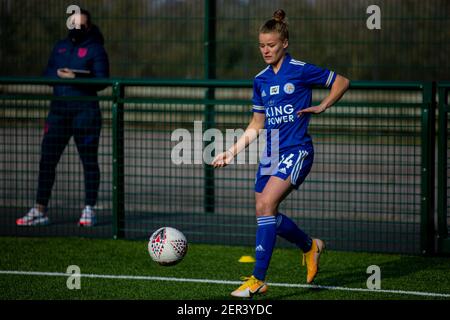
{"x":50,"y":70}
{"x":258,"y":105}
{"x":100,"y":66}
{"x":313,"y":75}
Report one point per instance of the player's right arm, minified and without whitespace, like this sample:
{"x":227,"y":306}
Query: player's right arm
{"x":52,"y":67}
{"x":250,"y":134}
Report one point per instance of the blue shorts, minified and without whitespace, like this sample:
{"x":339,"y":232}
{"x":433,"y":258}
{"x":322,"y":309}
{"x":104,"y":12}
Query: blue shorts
{"x":295,"y":163}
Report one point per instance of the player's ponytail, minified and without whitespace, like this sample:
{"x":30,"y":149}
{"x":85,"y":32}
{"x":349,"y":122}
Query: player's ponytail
{"x":276,"y":24}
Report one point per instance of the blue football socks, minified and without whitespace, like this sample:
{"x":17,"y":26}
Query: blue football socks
{"x":287,"y":229}
{"x":266,"y":236}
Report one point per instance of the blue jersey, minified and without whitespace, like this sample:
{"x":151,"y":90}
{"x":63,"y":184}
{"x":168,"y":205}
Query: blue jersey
{"x":280,"y":96}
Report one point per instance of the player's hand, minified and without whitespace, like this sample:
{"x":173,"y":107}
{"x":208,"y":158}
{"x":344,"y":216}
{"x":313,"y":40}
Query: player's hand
{"x":223,"y":159}
{"x":316,"y":110}
{"x":65,"y":73}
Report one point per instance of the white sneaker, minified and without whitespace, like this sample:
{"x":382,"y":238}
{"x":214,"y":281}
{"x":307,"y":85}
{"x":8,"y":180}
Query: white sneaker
{"x":88,"y":218}
{"x":33,"y":218}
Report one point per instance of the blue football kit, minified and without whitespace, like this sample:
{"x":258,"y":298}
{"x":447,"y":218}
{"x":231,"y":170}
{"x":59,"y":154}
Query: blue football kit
{"x":289,"y":150}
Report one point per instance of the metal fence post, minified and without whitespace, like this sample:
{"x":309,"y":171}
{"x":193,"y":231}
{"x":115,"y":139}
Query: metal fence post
{"x":118,"y":161}
{"x":209,"y":112}
{"x":443,"y":241}
{"x":428,"y":133}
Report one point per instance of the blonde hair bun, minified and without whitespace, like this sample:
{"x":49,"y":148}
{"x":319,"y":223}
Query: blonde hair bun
{"x":279,"y":15}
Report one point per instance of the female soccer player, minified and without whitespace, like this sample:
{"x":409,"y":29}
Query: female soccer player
{"x":282,"y":105}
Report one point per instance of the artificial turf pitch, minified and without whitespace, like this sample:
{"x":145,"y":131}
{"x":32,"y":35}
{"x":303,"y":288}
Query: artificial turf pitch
{"x":401,"y":275}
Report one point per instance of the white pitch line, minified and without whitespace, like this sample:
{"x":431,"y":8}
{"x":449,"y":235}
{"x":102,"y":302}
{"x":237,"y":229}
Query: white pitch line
{"x":273,"y":284}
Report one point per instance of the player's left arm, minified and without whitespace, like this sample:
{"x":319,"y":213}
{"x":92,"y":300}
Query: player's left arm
{"x":339,"y":87}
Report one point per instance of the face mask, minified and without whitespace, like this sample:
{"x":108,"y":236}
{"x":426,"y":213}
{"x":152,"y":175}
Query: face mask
{"x":78,"y":35}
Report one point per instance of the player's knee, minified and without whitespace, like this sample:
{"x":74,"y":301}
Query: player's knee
{"x":91,"y":167}
{"x":265,"y":207}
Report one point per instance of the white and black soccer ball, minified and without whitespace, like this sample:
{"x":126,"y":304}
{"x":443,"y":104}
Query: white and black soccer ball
{"x":167,"y":246}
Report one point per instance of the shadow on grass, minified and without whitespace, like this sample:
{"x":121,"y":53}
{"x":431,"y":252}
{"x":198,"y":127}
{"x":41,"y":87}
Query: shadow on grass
{"x":406,"y":267}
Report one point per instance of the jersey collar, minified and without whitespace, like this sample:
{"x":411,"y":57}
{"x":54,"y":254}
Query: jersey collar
{"x":287,"y":58}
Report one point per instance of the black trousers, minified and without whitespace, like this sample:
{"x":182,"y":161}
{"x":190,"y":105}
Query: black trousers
{"x":85,"y":126}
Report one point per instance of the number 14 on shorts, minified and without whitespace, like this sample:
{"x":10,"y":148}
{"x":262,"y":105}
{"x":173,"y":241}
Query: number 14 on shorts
{"x":286,"y":161}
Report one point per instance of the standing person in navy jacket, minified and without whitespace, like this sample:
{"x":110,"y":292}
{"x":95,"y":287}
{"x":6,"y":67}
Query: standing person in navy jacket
{"x":80,"y":54}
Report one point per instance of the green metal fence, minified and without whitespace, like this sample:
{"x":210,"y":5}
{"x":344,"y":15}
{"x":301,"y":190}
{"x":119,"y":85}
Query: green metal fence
{"x":371,"y":187}
{"x":166,"y":38}
{"x":23,"y":109}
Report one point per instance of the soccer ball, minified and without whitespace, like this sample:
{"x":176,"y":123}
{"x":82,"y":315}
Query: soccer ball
{"x":167,"y":246}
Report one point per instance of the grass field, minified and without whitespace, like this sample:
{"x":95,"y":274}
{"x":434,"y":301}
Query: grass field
{"x":342,"y":273}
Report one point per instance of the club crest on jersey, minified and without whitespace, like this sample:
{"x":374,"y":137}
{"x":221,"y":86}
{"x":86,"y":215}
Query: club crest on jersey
{"x":289,"y":88}
{"x":82,"y":52}
{"x":274,"y":90}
